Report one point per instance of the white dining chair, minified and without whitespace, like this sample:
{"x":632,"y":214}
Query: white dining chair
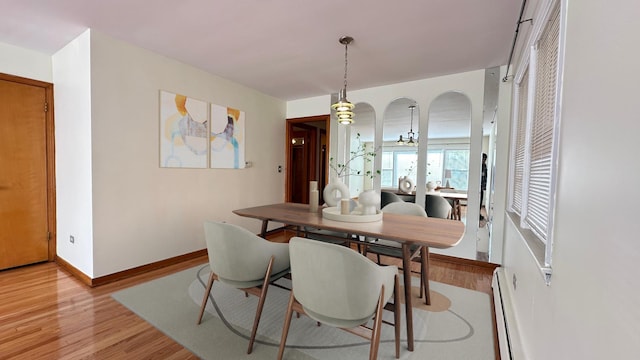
{"x":394,"y":249}
{"x":243,"y":260}
{"x":339,"y":287}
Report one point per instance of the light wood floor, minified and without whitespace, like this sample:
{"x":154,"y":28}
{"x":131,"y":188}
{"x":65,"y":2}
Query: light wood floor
{"x":45,"y":313}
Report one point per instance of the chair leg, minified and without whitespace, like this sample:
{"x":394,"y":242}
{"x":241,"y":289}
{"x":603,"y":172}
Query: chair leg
{"x":396,"y":314}
{"x":285,"y":328}
{"x":421,"y":283}
{"x":377,"y":323}
{"x":212,"y":277}
{"x":263,"y":296}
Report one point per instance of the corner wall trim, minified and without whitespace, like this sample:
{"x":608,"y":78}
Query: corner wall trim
{"x":130,"y":272}
{"x":73,"y":270}
{"x":462,"y":261}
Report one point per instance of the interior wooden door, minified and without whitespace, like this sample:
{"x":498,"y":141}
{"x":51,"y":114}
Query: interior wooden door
{"x":301,"y":166}
{"x":24,"y":193}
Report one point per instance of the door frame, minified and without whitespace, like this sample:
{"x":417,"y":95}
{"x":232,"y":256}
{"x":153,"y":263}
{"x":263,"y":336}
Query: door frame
{"x":50,"y":156}
{"x":289,"y":146}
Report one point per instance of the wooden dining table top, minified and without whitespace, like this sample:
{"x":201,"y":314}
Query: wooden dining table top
{"x":425,"y":231}
{"x":445,"y":194}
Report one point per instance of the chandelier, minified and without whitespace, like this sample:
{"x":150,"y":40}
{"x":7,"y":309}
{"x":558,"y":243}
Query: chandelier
{"x":343,"y":108}
{"x":412,"y":138}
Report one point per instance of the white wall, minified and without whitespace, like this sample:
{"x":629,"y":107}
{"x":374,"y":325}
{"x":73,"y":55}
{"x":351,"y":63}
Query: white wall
{"x":25,"y":63}
{"x":423,"y":92}
{"x":590,"y":310}
{"x":319,"y":105}
{"x":72,"y":99}
{"x":122,"y":208}
{"x":500,"y":175}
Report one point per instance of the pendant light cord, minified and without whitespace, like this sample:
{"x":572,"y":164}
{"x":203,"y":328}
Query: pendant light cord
{"x":346,"y":46}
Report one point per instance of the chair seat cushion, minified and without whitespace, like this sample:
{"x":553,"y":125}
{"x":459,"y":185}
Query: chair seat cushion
{"x":253,"y":283}
{"x":389,"y":248}
{"x":335,"y":237}
{"x":341,"y":323}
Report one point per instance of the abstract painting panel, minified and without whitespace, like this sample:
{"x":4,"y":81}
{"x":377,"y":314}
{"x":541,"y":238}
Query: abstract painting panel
{"x":183,"y":131}
{"x":227,"y":140}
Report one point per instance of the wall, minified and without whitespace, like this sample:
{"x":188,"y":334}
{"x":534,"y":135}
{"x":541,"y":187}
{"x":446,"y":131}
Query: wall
{"x":320,"y":105}
{"x":590,"y":310}
{"x":423,"y":92}
{"x":501,"y":138}
{"x":74,"y":199}
{"x":25,"y":63}
{"x":124,"y":210}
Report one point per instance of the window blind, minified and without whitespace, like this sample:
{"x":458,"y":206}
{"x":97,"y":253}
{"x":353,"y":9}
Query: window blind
{"x":539,"y":184}
{"x":520,"y":136}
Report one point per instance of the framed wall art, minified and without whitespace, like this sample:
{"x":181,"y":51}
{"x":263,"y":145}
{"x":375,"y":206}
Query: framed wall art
{"x":227,"y":140}
{"x":183,"y":131}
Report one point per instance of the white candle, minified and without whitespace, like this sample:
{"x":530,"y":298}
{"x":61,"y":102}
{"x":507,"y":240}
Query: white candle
{"x":313,"y":200}
{"x":344,"y":206}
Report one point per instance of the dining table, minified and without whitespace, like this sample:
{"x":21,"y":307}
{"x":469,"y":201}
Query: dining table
{"x":405,"y":230}
{"x":454,"y":196}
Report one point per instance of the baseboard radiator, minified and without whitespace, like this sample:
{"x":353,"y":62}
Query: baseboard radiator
{"x":507,"y":332}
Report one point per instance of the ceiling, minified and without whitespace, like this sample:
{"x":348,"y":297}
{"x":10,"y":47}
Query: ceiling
{"x":285,"y":48}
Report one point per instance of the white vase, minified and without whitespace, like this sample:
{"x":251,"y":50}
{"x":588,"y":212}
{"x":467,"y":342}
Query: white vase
{"x":431,"y":186}
{"x":405,"y":185}
{"x":369,"y":201}
{"x":335,"y":191}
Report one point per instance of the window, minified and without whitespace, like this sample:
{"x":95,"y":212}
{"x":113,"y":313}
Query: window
{"x":444,"y":162}
{"x":397,"y":163}
{"x":449,"y":163}
{"x":520,"y":135}
{"x":534,"y":138}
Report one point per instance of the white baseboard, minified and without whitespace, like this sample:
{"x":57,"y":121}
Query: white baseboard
{"x":508,"y":338}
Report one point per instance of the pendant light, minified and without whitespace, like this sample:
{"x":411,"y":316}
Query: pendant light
{"x":343,"y":108}
{"x":413,"y":140}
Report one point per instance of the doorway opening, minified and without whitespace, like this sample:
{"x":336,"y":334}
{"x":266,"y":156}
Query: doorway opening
{"x":307,"y":156}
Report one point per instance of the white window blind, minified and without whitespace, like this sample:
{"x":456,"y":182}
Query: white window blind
{"x":535,"y":120}
{"x":542,"y":125}
{"x":519,"y":148}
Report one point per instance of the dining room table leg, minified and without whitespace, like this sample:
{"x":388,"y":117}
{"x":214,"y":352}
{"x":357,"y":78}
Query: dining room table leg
{"x":263,"y":231}
{"x":406,"y":266}
{"x":424,"y":263}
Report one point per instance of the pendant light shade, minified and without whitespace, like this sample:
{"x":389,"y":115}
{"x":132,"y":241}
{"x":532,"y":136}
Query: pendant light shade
{"x":344,"y":108}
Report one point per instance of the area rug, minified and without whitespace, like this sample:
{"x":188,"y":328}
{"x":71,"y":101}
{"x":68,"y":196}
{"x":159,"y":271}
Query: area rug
{"x":457,"y":326}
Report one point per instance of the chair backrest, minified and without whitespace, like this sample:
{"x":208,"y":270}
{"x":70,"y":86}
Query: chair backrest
{"x":388,"y":198}
{"x":335,"y":282}
{"x":405,"y":208}
{"x":238,"y":255}
{"x":437,"y":206}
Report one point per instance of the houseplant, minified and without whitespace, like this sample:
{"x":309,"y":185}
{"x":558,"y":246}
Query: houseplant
{"x":360,"y":153}
{"x":359,"y":159}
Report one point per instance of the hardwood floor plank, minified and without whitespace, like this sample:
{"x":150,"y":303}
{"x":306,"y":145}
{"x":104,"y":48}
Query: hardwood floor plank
{"x":46,"y":313}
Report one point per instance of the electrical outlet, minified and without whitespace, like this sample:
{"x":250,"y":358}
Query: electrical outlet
{"x":72,"y":239}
